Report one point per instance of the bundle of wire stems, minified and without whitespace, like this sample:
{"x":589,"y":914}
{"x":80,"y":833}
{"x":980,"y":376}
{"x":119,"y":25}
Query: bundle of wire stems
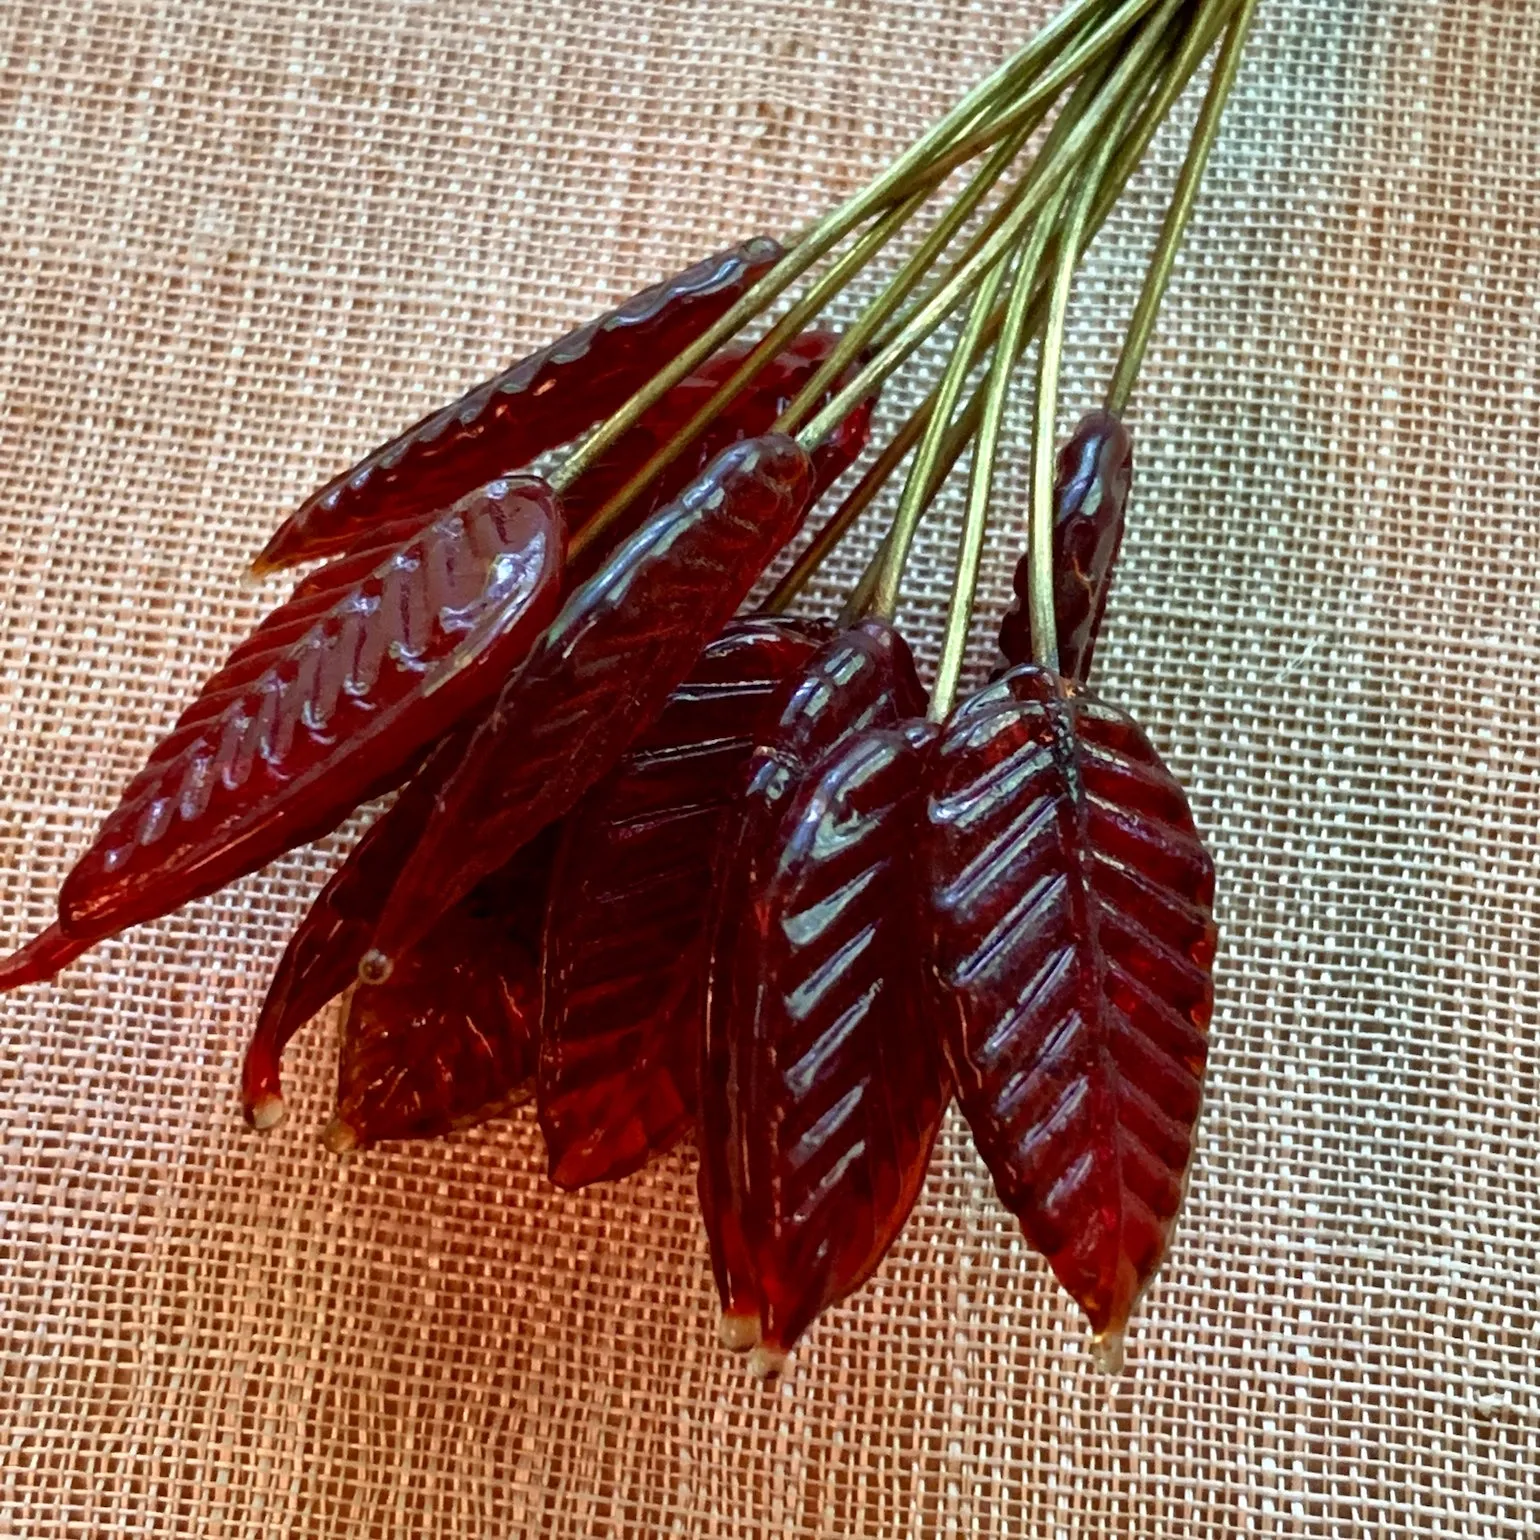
{"x":1049,"y":141}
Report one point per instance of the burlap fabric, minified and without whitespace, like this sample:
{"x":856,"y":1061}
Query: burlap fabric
{"x":241,"y":241}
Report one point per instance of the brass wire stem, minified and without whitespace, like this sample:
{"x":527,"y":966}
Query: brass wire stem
{"x":987,"y":126}
{"x":1054,"y":160}
{"x":1092,"y":49}
{"x":1172,"y":81}
{"x":849,"y":346}
{"x":1095,"y":100}
{"x":893,"y":295}
{"x":997,"y":390}
{"x":918,"y":162}
{"x":1048,"y":164}
{"x":1157,"y":277}
{"x":917,"y":489}
{"x":768,"y":346}
{"x":1100,"y":29}
{"x":827,"y":287}
{"x":870,"y":243}
{"x":1050,"y":362}
{"x":1196,"y":41}
{"x":856,"y":502}
{"x":1114,"y":100}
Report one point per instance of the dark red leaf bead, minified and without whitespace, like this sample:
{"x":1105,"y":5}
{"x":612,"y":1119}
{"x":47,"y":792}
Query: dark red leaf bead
{"x":321,"y":959}
{"x":452,"y":1039}
{"x":750,"y":413}
{"x":40,"y":959}
{"x":598,"y":677}
{"x":838,"y":1080}
{"x":1072,"y":916}
{"x":1090,"y":502}
{"x":862,"y":678}
{"x":288,"y":738}
{"x":844,"y":445}
{"x":625,"y":939}
{"x":504,"y":423}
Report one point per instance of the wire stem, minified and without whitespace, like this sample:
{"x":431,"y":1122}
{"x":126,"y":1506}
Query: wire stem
{"x":981,"y":478}
{"x":1094,"y":104}
{"x":806,"y":248}
{"x":1172,"y":78}
{"x":1093,"y":98}
{"x":1096,"y":32}
{"x":1162,"y":80}
{"x":918,"y":163}
{"x":856,"y":502}
{"x":917,"y":489}
{"x":1050,"y":362}
{"x":1157,"y":276}
{"x":762,"y":353}
{"x":1094,"y":47}
{"x":893,"y":295}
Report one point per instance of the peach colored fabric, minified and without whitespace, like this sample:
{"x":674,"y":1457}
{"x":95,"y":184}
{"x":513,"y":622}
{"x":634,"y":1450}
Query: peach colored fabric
{"x":243,"y":240}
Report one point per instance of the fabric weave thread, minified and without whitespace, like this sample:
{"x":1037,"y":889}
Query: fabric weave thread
{"x":243,"y":242}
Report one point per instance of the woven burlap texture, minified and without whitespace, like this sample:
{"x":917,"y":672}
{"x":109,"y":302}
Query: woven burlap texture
{"x":244,"y":240}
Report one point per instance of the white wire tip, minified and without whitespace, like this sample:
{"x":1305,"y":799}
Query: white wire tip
{"x":341,"y":1138}
{"x":738,"y":1333}
{"x":1107,"y":1352}
{"x":267,"y":1113}
{"x":767,"y":1363}
{"x":374,"y":967}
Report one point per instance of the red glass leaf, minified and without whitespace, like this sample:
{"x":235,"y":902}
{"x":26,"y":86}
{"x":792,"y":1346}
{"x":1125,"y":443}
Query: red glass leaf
{"x":1072,"y":914}
{"x":1090,"y":500}
{"x":452,"y":1039}
{"x":838,"y":1078}
{"x":845,"y":444}
{"x":502,"y":424}
{"x":751,"y":412}
{"x":862,"y":678}
{"x":40,"y":959}
{"x":624,"y":966}
{"x":292,"y":734}
{"x":321,"y":959}
{"x":598,"y":676}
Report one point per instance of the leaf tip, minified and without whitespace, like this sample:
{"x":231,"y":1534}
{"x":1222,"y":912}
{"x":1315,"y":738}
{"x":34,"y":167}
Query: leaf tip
{"x":341,"y":1138}
{"x":767,"y":1363}
{"x":1107,"y":1351}
{"x":265,"y":1113}
{"x":738,"y":1333}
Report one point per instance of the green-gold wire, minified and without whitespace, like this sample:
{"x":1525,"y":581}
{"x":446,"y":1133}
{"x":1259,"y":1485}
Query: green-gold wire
{"x":1157,"y":277}
{"x":917,"y":487}
{"x":1055,"y":159}
{"x":871,"y":242}
{"x":815,"y":243}
{"x":894,"y":293}
{"x":1050,"y":361}
{"x":1113,"y":100}
{"x":1157,"y":95}
{"x":997,"y":388}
